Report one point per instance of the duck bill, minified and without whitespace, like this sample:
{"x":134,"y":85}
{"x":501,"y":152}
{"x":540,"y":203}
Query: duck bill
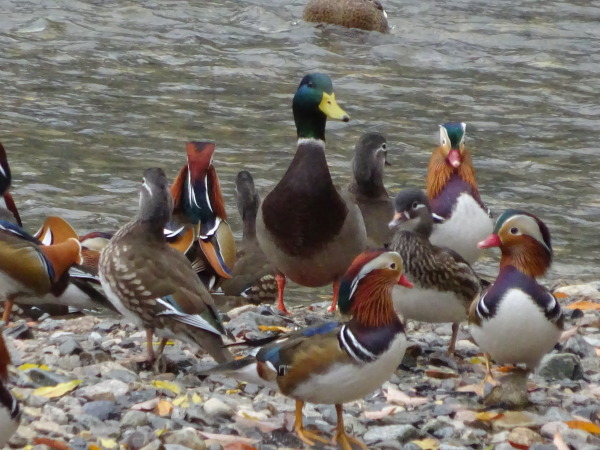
{"x":331,"y":109}
{"x":398,"y":219}
{"x":493,"y":240}
{"x":455,"y":158}
{"x":403,"y":281}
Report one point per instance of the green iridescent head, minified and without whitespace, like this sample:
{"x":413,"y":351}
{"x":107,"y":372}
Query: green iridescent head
{"x":453,"y":134}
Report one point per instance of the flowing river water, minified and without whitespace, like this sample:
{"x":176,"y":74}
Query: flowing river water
{"x":93,"y":92}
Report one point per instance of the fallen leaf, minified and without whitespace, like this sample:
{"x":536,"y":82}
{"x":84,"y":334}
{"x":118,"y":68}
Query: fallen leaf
{"x":376,"y":415}
{"x":274,"y":328}
{"x":584,"y":305}
{"x":427,"y":444}
{"x":108,"y":443}
{"x":519,"y":446}
{"x":227,"y":438}
{"x":560,"y":295}
{"x":560,"y":442}
{"x":488,"y":416}
{"x":58,"y":390}
{"x":148,"y":405}
{"x":52,"y":443}
{"x":196,"y":398}
{"x":172,"y":387}
{"x":476,"y":360}
{"x":396,"y":396}
{"x":476,"y":388}
{"x":264,"y":425}
{"x":94,"y":447}
{"x":182,"y":401}
{"x":164,"y":408}
{"x":238,"y":446}
{"x":169,"y":343}
{"x":440,"y":374}
{"x":232,"y":391}
{"x":28,"y":366}
{"x":585,"y":426}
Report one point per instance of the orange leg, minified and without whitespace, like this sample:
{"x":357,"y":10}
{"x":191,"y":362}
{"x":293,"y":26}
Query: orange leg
{"x":8,"y":304}
{"x":340,"y":433}
{"x":149,"y":347}
{"x":489,"y":377}
{"x":455,"y":328}
{"x":280,"y":278}
{"x":303,"y":434}
{"x":336,"y":294}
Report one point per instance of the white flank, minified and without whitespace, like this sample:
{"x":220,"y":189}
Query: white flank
{"x":428,"y":305}
{"x":346,"y":382}
{"x":8,"y":425}
{"x":468,"y":225}
{"x":193,"y":320}
{"x":518,"y":333}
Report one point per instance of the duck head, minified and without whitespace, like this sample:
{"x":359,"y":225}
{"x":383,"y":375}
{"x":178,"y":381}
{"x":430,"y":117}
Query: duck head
{"x":366,"y":288}
{"x":156,"y":202}
{"x":412,"y":212}
{"x":248,"y":201}
{"x":452,"y":142}
{"x":370,"y":157}
{"x":524,"y":241}
{"x":313,"y":103}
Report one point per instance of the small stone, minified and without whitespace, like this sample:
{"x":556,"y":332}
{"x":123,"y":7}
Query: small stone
{"x":186,"y":437}
{"x":579,"y":346}
{"x":56,"y":414}
{"x":154,"y":445}
{"x":557,"y":366}
{"x":21,"y":331}
{"x":107,"y":326}
{"x":105,"y":390}
{"x":217,"y":408}
{"x":102,"y":409}
{"x":452,"y":447}
{"x":78,"y":443}
{"x":402,"y":433}
{"x":45,"y":378}
{"x":549,"y":429}
{"x":539,"y":446}
{"x":70,"y":347}
{"x":524,"y":436}
{"x":134,"y":419}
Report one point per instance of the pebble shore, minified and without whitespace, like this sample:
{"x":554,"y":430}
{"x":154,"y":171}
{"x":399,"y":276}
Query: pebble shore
{"x":433,"y":401}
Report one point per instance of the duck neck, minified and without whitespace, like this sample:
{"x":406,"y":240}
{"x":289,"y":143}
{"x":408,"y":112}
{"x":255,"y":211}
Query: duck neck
{"x":309,"y":124}
{"x":372,"y":306}
{"x":530,"y":258}
{"x":440,"y":172}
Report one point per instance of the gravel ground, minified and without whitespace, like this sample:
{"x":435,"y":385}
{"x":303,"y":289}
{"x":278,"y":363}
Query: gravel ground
{"x":431,"y":402}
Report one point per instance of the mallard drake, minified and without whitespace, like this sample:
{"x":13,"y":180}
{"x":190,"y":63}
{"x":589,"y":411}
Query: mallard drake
{"x":10,"y":410}
{"x":154,"y":285}
{"x":338,"y":362}
{"x":364,"y":14}
{"x":8,"y":209}
{"x":308,"y":231}
{"x":517,"y":320}
{"x":253,"y":276}
{"x":454,"y":197}
{"x":368,"y":191}
{"x":29,"y":270}
{"x":198,"y":202}
{"x":444,"y":283}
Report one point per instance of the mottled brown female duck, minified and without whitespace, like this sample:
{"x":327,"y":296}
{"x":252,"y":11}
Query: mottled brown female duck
{"x":368,"y":191}
{"x":307,"y":229}
{"x":253,"y":276}
{"x":364,"y":14}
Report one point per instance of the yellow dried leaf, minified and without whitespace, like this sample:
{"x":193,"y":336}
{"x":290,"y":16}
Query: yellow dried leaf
{"x":196,"y":398}
{"x":28,"y":366}
{"x":182,"y":401}
{"x":164,"y":408}
{"x":29,"y":447}
{"x":476,"y":360}
{"x":160,"y":432}
{"x":108,"y":443}
{"x":274,"y":328}
{"x":584,"y":305}
{"x":585,"y":426}
{"x":57,"y":391}
{"x":160,"y":384}
{"x":487,"y":416}
{"x":94,"y":447}
{"x":169,"y":343}
{"x":427,"y":444}
{"x":232,"y":391}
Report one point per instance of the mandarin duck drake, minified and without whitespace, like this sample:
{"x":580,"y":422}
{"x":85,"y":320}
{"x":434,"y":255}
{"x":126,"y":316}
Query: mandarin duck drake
{"x":517,"y":320}
{"x":368,"y":191}
{"x":253,"y":276}
{"x":10,"y":410}
{"x":337,"y":362}
{"x":154,"y":285}
{"x":364,"y":14}
{"x":198,"y":202}
{"x":444,"y":283}
{"x":8,"y":209}
{"x":454,"y":197}
{"x":306,"y":228}
{"x":29,"y":270}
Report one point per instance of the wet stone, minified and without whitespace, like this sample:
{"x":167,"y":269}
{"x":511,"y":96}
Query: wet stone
{"x":557,"y":366}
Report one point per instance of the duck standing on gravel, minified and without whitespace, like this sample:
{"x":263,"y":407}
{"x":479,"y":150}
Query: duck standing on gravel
{"x":454,"y":196}
{"x":253,"y":276}
{"x":198,"y":201}
{"x":308,"y":231}
{"x":338,"y":362}
{"x":364,"y":14}
{"x":154,"y":285}
{"x":445,"y":285}
{"x":368,"y":191}
{"x":517,"y":320}
{"x":10,"y":411}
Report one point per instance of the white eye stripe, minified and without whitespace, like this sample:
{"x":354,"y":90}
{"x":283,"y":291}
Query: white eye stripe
{"x":147,"y":187}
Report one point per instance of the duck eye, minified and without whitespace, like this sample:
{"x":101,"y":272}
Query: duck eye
{"x":392,"y":265}
{"x":514,"y":230}
{"x":310,"y":84}
{"x":443,"y":141}
{"x":415,"y":205}
{"x":383,"y":146}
